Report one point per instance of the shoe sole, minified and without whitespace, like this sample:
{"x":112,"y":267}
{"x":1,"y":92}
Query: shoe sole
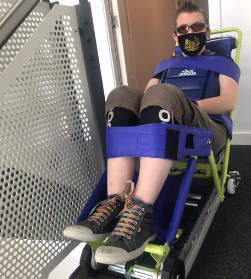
{"x":84,"y":234}
{"x":120,"y":256}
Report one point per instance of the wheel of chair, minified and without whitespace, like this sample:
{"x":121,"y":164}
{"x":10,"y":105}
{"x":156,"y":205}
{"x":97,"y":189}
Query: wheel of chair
{"x":87,"y":260}
{"x":173,"y":269}
{"x":231,"y":187}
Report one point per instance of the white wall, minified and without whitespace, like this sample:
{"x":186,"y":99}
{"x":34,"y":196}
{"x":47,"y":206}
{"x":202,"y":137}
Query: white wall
{"x":103,"y":44}
{"x":233,"y":13}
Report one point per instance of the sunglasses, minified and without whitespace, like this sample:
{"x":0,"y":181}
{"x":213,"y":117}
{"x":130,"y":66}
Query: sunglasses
{"x":196,"y":27}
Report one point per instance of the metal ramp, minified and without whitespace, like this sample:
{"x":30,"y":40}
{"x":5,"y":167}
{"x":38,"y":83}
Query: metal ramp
{"x":51,"y":156}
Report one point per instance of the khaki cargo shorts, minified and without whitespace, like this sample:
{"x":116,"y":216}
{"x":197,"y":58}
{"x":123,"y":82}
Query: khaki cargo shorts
{"x":170,"y":98}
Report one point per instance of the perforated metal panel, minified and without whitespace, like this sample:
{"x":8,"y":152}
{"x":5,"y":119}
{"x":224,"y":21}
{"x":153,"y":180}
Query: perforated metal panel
{"x":50,"y":157}
{"x":5,"y":7}
{"x":22,"y":34}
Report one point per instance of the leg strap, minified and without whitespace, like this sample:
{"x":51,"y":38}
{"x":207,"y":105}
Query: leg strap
{"x":159,"y":140}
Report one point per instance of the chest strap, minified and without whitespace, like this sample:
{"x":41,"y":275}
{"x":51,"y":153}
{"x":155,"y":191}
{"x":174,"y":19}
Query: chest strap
{"x":218,"y":64}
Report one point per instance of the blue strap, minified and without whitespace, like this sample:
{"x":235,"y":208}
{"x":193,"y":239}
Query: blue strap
{"x":159,"y":140}
{"x":218,"y":64}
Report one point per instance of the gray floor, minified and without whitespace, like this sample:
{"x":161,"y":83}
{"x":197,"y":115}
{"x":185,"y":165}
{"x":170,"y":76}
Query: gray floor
{"x":226,"y":252}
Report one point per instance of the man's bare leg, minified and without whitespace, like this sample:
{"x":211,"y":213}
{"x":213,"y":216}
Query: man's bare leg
{"x":119,"y":170}
{"x":152,"y":176}
{"x":135,"y":227}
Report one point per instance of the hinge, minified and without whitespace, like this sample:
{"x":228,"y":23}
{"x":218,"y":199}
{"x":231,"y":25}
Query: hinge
{"x":115,"y":21}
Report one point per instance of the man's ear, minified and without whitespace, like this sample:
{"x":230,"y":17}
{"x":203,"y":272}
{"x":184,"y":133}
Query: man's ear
{"x":175,"y":37}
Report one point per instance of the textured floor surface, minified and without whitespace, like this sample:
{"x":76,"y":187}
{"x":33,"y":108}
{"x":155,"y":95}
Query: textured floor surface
{"x":226,"y":252}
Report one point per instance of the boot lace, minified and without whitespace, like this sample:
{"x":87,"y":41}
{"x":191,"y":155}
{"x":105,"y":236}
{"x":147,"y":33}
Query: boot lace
{"x":103,"y":211}
{"x":129,"y":215}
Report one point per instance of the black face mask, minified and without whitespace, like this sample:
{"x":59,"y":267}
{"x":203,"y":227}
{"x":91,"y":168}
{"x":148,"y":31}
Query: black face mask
{"x":192,"y":43}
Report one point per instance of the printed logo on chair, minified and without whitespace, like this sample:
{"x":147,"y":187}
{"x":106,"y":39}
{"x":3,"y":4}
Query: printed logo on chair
{"x":187,"y":73}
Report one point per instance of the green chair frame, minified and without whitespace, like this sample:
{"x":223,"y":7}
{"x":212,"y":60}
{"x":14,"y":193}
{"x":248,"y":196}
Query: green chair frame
{"x":216,"y":171}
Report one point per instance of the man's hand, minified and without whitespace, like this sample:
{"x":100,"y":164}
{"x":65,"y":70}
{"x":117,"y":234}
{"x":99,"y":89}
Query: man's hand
{"x":223,"y":103}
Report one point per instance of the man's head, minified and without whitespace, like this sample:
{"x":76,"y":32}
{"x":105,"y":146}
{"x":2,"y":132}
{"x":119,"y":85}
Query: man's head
{"x":191,"y":28}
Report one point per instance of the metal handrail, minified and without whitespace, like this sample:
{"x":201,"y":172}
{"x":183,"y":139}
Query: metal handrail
{"x":14,"y":17}
{"x":239,"y":39}
{"x":10,"y":12}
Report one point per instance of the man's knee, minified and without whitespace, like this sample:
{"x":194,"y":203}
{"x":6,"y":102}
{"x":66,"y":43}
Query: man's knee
{"x":162,"y":95}
{"x":122,"y":106}
{"x":125,"y":97}
{"x":159,"y":104}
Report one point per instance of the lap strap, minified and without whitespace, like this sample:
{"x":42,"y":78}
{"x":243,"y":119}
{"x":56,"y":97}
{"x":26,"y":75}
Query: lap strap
{"x":160,"y":140}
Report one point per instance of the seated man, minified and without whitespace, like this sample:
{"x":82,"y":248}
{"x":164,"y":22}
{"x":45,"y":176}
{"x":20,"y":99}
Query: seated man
{"x":130,"y":229}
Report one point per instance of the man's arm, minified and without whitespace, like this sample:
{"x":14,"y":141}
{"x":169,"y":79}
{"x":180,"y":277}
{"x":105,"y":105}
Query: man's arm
{"x":152,"y":81}
{"x":223,"y":103}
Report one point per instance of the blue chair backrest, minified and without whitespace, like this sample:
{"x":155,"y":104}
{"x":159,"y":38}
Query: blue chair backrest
{"x":222,"y":46}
